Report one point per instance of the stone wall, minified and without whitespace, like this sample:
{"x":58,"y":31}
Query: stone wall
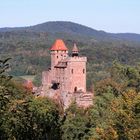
{"x":76,"y":75}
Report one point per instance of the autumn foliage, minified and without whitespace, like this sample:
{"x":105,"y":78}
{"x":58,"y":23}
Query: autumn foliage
{"x":115,"y":114}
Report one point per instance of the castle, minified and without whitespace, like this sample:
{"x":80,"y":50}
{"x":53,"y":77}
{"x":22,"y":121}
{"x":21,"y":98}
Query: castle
{"x":65,"y":80}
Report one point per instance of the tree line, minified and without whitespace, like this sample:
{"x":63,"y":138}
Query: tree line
{"x":115,"y":114}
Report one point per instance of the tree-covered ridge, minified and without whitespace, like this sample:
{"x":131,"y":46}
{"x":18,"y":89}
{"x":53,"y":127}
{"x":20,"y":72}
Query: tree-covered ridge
{"x":115,"y":114}
{"x":30,"y":54}
{"x":71,"y":29}
{"x":29,"y":48}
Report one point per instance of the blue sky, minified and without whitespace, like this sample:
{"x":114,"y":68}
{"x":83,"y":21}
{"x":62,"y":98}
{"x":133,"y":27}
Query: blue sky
{"x":108,"y":15}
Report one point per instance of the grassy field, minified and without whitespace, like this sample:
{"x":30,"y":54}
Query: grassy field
{"x":28,"y":77}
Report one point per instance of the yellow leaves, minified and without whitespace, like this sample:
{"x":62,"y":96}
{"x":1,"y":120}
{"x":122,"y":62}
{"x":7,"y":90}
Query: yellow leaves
{"x":14,"y":104}
{"x":107,"y":133}
{"x":102,"y":86}
{"x":99,"y":130}
{"x":122,"y":119}
{"x":114,"y":105}
{"x":19,"y":101}
{"x":125,"y":115}
{"x":126,"y":101}
{"x":130,"y":95}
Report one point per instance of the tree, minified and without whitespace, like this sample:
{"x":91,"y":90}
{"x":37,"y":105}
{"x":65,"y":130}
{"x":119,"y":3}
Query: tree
{"x":32,"y":119}
{"x":76,"y":124}
{"x":22,"y":115}
{"x":124,"y":121}
{"x":127,"y":75}
{"x":117,"y":117}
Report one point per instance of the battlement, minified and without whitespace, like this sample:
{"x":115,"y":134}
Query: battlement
{"x":77,"y":59}
{"x":54,"y":52}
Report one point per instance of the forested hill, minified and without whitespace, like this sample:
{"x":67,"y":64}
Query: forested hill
{"x":29,"y":47}
{"x":74,"y":29}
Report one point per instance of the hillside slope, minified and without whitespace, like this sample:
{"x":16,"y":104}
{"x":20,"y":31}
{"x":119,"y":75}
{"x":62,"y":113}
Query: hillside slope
{"x":71,"y":29}
{"x":29,"y":47}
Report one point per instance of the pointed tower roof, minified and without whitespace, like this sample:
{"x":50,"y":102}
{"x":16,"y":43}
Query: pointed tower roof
{"x":75,"y":49}
{"x":59,"y":45}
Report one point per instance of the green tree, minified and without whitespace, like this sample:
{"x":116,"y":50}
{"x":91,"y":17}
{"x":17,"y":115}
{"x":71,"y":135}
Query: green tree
{"x":127,"y":75}
{"x":123,"y":120}
{"x":32,"y":119}
{"x":76,"y":124}
{"x":22,"y":115}
{"x":117,"y":117}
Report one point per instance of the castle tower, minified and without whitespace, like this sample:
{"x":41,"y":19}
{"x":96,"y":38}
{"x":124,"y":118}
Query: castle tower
{"x":75,"y":51}
{"x":76,"y":71}
{"x":58,"y":52}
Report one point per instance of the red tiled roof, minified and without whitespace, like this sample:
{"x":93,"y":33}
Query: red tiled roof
{"x":28,"y":85}
{"x":59,"y":45}
{"x":61,"y":65}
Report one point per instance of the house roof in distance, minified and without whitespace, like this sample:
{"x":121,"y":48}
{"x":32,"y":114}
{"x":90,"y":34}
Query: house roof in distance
{"x":59,"y":45}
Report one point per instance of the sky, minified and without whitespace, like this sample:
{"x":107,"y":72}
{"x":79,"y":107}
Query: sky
{"x":108,"y":15}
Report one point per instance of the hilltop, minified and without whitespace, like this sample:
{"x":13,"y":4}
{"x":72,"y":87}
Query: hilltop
{"x":74,"y":29}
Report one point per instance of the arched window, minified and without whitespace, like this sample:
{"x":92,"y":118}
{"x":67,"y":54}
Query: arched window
{"x":57,"y":56}
{"x":75,"y":89}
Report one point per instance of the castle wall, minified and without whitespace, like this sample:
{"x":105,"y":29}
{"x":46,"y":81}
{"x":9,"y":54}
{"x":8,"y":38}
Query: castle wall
{"x":46,"y":77}
{"x":60,"y":77}
{"x":76,"y":74}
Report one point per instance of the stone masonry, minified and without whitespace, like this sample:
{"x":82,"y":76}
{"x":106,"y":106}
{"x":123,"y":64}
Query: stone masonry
{"x":65,"y":81}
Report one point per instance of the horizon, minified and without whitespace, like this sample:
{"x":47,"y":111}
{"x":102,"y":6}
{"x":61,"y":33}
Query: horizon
{"x":112,"y":16}
{"x":70,"y":22}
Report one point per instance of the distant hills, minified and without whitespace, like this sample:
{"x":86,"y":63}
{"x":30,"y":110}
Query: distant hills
{"x":29,"y":47}
{"x":64,"y":28}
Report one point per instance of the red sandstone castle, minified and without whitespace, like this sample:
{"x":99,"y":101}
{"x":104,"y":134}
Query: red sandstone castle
{"x":65,"y":81}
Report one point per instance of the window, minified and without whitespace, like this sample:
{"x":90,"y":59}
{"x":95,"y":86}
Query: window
{"x":83,"y":70}
{"x":55,"y":86}
{"x":72,"y":71}
{"x":75,"y":89}
{"x":57,"y":56}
